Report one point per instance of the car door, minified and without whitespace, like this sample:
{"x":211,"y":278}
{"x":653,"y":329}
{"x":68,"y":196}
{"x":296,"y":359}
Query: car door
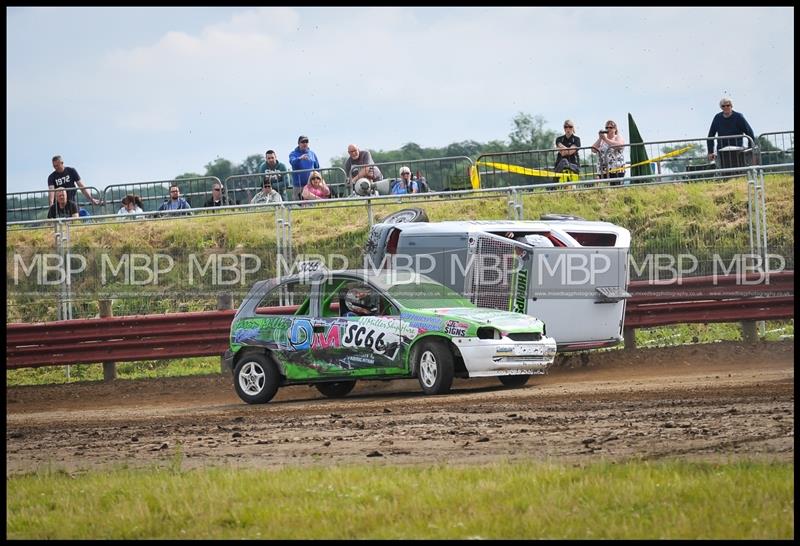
{"x":359,"y":345}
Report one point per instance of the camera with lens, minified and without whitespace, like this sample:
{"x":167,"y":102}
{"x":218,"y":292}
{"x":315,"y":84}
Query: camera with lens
{"x":604,"y":132}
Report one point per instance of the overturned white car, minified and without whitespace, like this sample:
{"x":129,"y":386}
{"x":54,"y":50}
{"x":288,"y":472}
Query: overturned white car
{"x":567,"y":271}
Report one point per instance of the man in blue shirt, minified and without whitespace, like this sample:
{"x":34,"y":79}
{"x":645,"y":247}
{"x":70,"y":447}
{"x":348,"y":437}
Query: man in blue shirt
{"x":727,"y":123}
{"x":175,"y":201}
{"x":302,"y":158}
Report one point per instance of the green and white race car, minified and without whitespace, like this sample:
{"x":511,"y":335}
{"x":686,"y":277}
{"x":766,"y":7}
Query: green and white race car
{"x":330,"y":329}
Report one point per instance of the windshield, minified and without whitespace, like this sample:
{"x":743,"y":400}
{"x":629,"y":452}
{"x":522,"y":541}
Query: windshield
{"x":420,"y":292}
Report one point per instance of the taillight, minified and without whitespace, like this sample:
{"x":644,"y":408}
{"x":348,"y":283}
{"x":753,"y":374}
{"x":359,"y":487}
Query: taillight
{"x":391,"y":243}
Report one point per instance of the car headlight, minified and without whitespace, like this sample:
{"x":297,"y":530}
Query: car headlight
{"x":489,"y":333}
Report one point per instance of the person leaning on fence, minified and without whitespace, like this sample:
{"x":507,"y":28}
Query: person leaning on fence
{"x":567,"y":155}
{"x":301,"y":158}
{"x":316,"y":187}
{"x":68,"y":178}
{"x":218,"y":197}
{"x":131,"y":204}
{"x":63,"y":207}
{"x":267,"y":193}
{"x":405,"y":184}
{"x":353,"y":166}
{"x":727,"y":123}
{"x":272,"y":165}
{"x":608,"y":147}
{"x":175,"y":201}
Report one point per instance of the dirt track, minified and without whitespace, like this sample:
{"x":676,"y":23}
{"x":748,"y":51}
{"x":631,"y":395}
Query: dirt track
{"x":720,"y":401}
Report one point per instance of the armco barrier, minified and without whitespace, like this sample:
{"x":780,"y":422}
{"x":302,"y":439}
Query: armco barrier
{"x":181,"y":335}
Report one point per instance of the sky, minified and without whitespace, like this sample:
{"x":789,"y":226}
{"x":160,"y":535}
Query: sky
{"x":141,"y":94}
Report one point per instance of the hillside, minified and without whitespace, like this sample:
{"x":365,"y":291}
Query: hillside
{"x":702,"y":218}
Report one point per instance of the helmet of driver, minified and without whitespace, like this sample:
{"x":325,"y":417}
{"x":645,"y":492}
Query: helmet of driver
{"x":361,"y":301}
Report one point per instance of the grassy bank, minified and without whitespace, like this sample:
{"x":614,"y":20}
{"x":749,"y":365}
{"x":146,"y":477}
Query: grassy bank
{"x":669,"y":500}
{"x":701,"y":219}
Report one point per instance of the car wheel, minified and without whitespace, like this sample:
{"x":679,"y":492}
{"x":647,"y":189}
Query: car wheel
{"x":256,"y":378}
{"x":337,"y":389}
{"x":434,"y":366}
{"x":406,"y":215}
{"x":513,"y":380}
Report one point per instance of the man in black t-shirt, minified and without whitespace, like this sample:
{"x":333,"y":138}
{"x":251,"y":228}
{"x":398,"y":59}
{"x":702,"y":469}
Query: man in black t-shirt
{"x":63,"y":207}
{"x":69,"y":179}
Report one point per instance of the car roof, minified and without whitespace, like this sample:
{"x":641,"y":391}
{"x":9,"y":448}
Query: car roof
{"x":498,"y":226}
{"x":510,"y":225}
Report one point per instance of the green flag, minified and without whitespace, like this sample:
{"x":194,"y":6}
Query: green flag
{"x":638,"y":153}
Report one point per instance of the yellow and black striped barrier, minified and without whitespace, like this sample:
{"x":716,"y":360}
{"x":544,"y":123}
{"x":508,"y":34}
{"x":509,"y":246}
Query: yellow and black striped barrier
{"x":563,"y":176}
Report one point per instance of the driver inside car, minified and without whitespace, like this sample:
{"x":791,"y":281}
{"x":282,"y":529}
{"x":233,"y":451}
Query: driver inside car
{"x":360,"y":301}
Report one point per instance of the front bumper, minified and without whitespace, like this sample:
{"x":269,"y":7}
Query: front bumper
{"x":493,"y":357}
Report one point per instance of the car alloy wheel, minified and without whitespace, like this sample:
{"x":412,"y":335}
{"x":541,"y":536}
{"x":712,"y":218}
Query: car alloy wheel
{"x":252,"y":378}
{"x":428,"y":369}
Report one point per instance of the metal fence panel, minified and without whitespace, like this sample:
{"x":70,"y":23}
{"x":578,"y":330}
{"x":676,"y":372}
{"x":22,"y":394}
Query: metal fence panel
{"x":34,"y":205}
{"x":441,"y":173}
{"x":153,"y":193}
{"x":777,"y":148}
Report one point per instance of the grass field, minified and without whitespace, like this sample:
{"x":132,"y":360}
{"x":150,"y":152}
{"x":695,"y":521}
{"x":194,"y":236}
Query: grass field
{"x":635,"y":500}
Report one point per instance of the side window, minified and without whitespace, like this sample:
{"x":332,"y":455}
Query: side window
{"x":290,"y":298}
{"x":348,"y":298}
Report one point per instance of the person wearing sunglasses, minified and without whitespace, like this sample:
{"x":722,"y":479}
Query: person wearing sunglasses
{"x":268,"y":194}
{"x":727,"y":123}
{"x":316,"y":188}
{"x":567,"y":155}
{"x":175,"y":201}
{"x":608,"y":147}
{"x":218,"y":197}
{"x":302,"y":159}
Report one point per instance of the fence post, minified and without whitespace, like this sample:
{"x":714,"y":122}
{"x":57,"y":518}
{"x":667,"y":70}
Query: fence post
{"x":749,"y":333}
{"x":109,"y":368}
{"x":629,"y":337}
{"x":224,"y":302}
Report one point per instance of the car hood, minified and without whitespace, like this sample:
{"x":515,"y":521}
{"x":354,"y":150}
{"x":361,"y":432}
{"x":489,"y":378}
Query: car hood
{"x":506,"y":321}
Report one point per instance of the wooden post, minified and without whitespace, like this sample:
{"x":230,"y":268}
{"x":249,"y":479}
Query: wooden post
{"x":629,"y":336}
{"x":109,"y":368}
{"x":224,"y":301}
{"x":749,"y":333}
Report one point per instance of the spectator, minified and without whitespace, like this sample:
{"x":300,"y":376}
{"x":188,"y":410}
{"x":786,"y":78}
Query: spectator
{"x":405,"y":184}
{"x":175,"y":201}
{"x":267,"y":193}
{"x":218,"y":197}
{"x":62,"y":207}
{"x":316,"y":188}
{"x":301,"y":158}
{"x":608,"y":148}
{"x":67,"y":177}
{"x":353,"y":166}
{"x":131,"y":204}
{"x":727,"y":123}
{"x":568,"y":144}
{"x":272,"y":165}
